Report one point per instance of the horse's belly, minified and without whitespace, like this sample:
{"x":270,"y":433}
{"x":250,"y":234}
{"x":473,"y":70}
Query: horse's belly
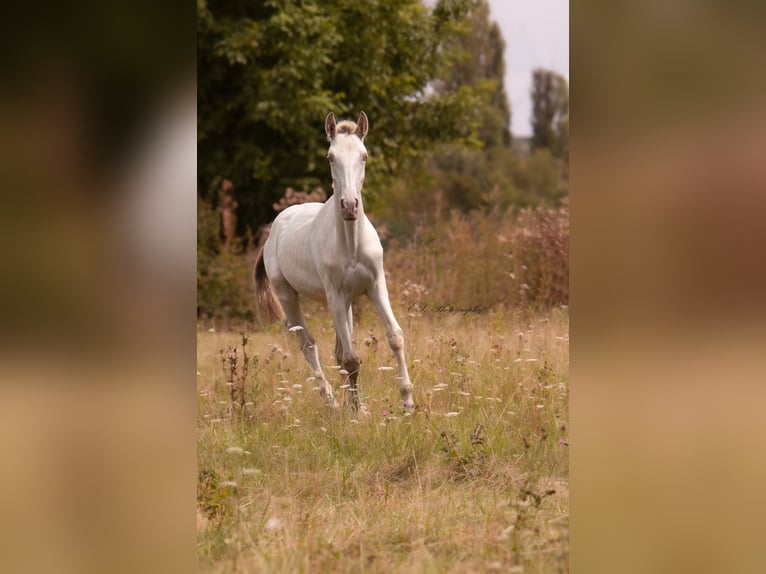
{"x":304,"y":282}
{"x":299,"y":269}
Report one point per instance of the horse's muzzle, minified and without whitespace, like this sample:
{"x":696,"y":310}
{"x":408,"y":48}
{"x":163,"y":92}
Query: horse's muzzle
{"x":348,"y":210}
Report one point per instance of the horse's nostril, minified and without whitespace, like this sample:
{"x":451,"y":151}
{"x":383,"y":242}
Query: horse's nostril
{"x":356,"y":202}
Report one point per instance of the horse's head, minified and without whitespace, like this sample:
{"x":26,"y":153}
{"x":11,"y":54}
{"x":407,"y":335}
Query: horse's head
{"x":347,"y":156}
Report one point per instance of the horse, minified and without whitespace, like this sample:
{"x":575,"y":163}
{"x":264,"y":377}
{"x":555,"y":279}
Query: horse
{"x":331,"y":251}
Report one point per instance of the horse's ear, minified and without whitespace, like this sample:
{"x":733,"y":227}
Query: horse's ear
{"x":329,"y":126}
{"x":361,"y":126}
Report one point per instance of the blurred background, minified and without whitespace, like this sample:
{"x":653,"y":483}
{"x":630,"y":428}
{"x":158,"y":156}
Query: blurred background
{"x":668,"y":277}
{"x":97,"y":220}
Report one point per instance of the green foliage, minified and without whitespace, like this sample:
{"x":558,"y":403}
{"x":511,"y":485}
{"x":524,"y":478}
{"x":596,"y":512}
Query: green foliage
{"x":469,"y":179}
{"x":269,"y":73}
{"x":224,"y":288}
{"x":538,"y":181}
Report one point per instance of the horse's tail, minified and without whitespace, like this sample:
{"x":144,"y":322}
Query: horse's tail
{"x":264,"y":296}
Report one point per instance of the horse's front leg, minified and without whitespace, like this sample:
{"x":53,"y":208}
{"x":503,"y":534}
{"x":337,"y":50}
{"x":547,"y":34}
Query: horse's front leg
{"x":378,"y":294}
{"x":340,"y":307}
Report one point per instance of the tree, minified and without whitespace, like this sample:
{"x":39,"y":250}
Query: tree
{"x":270,"y":71}
{"x":550,"y":113}
{"x":482,"y":66}
{"x":463,"y":175}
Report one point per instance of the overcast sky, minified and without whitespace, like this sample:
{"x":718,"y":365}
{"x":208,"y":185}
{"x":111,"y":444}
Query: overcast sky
{"x":536,"y":35}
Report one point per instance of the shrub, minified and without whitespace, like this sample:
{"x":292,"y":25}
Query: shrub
{"x":224,"y":284}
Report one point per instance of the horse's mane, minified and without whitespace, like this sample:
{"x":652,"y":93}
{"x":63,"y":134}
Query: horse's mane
{"x":345,"y":127}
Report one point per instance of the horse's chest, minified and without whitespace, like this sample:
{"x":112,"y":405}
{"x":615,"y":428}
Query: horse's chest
{"x":356,"y":278}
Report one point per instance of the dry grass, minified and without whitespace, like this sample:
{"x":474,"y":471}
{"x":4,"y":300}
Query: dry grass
{"x":489,"y":258}
{"x":476,"y":479}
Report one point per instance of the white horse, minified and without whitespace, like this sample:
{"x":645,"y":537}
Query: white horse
{"x":331,"y":250}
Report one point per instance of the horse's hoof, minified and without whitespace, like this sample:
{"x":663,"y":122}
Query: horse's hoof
{"x":331,"y":402}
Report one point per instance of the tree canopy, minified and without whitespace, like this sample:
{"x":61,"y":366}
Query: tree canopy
{"x":269,"y":72}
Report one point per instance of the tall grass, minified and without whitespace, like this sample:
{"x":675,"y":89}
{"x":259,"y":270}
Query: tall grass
{"x":474,"y":480}
{"x":488,"y":259}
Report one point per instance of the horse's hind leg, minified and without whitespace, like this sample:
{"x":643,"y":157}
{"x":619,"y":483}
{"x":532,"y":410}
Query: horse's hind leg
{"x":288,"y":297}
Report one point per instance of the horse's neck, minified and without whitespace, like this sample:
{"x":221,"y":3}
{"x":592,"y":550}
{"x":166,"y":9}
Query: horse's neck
{"x":349,"y":233}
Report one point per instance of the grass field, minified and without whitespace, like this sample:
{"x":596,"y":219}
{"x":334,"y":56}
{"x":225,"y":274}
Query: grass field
{"x":474,"y":480}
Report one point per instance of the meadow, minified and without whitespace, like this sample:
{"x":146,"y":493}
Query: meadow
{"x":475,"y":479}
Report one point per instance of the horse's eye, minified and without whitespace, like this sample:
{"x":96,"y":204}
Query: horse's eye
{"x":331,"y":157}
{"x":364,"y":156}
